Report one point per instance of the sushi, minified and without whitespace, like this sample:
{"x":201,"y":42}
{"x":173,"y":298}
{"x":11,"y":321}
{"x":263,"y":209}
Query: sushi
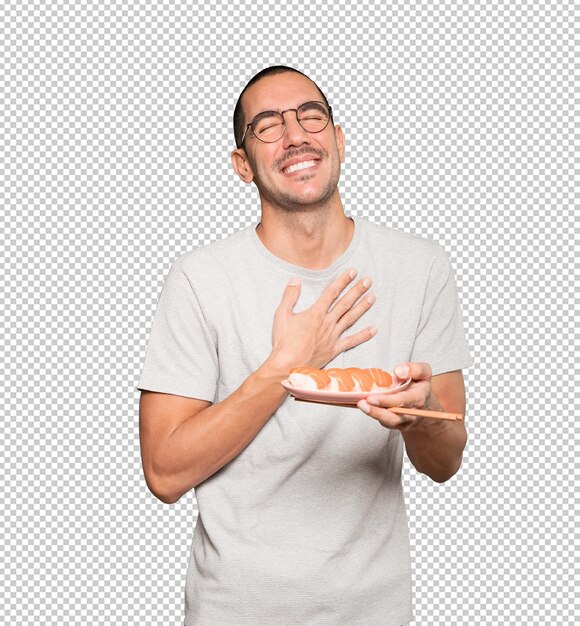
{"x":340,"y":379}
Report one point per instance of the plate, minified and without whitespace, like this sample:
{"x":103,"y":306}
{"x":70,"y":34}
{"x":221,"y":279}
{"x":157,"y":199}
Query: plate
{"x":340,"y":397}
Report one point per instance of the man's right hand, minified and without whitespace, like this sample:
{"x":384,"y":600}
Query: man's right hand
{"x":312,"y":337}
{"x":186,"y":440}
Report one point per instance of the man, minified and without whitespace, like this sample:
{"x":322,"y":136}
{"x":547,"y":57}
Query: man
{"x":301,"y":515}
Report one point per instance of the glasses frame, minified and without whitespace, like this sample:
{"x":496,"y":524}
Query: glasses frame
{"x":250,"y":125}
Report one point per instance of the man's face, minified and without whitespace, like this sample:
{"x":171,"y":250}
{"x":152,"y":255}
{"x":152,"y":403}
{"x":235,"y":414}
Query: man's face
{"x":268,"y":162}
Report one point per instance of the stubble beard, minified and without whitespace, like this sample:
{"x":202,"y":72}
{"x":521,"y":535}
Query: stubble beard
{"x":289,"y":202}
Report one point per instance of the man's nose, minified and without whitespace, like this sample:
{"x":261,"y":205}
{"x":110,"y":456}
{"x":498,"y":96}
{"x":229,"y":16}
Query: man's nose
{"x":294,"y":135}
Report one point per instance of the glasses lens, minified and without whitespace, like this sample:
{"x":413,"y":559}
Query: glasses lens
{"x":269,"y":126}
{"x":313,"y":116}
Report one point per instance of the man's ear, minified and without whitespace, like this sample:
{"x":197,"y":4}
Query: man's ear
{"x":242,"y":165}
{"x":339,"y":135}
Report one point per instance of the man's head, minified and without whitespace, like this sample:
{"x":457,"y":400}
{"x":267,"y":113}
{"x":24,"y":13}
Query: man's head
{"x":280,"y":88}
{"x":239,"y":117}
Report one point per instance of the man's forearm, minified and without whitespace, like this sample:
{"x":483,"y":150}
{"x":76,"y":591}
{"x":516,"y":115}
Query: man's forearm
{"x":204,"y":443}
{"x":435,"y":447}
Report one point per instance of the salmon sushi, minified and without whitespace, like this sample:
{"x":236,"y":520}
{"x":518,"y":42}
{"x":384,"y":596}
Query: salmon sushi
{"x":341,"y":380}
{"x":309,"y":378}
{"x":363,"y":379}
{"x":381,"y":378}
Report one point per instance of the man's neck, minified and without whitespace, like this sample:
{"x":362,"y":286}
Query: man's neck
{"x":312,"y":240}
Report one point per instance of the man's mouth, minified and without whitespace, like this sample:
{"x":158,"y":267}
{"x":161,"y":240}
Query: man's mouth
{"x":300,"y":166}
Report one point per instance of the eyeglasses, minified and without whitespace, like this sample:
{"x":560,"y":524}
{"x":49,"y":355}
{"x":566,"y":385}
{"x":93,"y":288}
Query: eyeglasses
{"x":269,"y":126}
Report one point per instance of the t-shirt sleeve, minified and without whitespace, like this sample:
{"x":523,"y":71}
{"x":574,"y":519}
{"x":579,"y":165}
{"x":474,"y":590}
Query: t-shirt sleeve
{"x":440,"y":339}
{"x":181,"y":356}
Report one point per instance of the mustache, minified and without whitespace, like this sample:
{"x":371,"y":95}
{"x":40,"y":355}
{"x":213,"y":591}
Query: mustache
{"x":319,"y":153}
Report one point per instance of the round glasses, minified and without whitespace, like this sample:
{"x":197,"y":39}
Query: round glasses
{"x":269,"y":126}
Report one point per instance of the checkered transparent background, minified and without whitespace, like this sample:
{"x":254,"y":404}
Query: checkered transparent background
{"x":115,"y":133}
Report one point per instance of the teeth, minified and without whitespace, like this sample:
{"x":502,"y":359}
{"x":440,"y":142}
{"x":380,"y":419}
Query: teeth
{"x":300,"y":166}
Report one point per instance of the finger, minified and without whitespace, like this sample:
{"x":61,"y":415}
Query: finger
{"x":290,"y":295}
{"x":354,"y":313}
{"x":331,"y":293}
{"x":346,"y":343}
{"x":412,"y":369}
{"x":347,"y":301}
{"x":401,"y":398}
{"x":385,"y":417}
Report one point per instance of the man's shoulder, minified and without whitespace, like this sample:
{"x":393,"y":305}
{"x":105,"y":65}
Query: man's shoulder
{"x":401,"y":242}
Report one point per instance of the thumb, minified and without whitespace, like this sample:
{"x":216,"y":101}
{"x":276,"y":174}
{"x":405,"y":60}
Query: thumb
{"x":291,"y":294}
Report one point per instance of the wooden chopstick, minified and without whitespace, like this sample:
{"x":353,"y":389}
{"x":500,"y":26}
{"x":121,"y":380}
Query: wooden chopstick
{"x":441,"y":415}
{"x":400,"y":410}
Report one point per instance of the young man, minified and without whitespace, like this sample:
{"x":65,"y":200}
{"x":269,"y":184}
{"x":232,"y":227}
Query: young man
{"x":301,"y":514}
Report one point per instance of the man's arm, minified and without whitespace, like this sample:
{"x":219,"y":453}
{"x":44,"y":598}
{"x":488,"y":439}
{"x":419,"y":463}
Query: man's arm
{"x":184,"y":440}
{"x":435,"y":447}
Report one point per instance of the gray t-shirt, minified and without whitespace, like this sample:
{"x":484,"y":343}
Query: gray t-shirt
{"x":307,"y":526}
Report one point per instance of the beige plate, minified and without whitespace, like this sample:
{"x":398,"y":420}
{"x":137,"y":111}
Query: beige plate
{"x":340,"y":397}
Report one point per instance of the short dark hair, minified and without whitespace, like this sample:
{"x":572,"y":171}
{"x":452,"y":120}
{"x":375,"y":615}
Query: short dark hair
{"x":268,"y":71}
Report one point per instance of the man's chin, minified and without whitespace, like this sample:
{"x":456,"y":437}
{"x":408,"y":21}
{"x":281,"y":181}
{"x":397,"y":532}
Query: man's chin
{"x":308,"y":197}
{"x":304,"y":202}
{"x":299,"y":198}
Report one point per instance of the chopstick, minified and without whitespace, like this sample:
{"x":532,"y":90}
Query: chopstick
{"x":399,"y":410}
{"x":441,"y":415}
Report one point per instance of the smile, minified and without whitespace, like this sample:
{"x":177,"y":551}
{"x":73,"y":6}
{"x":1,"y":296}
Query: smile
{"x":298,"y":167}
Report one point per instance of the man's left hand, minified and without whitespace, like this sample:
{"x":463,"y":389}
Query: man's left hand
{"x":417,"y":395}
